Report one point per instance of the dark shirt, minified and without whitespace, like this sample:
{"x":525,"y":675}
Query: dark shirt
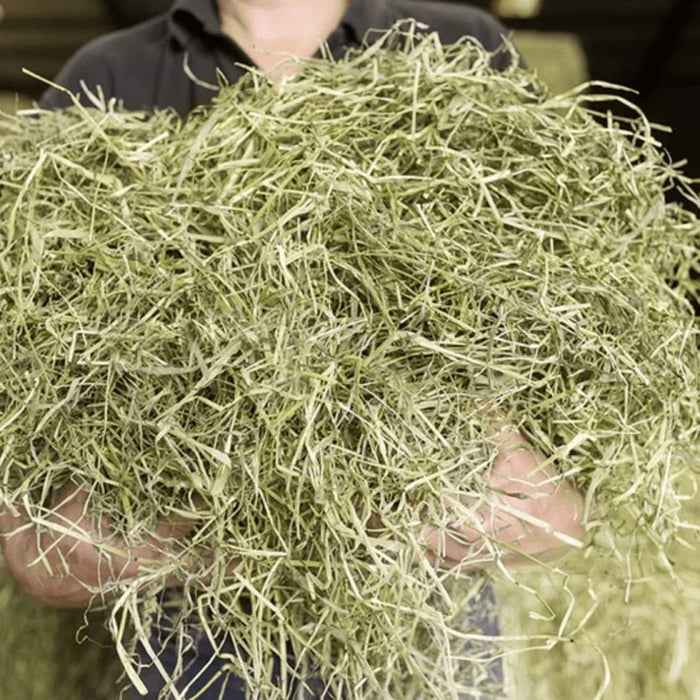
{"x":152,"y":64}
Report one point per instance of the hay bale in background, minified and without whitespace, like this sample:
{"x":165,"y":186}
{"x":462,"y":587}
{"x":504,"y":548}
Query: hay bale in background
{"x":641,"y":640}
{"x":10,"y":102}
{"x":47,"y":653}
{"x":558,"y":58}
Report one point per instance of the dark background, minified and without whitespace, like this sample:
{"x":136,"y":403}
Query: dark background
{"x":652,"y":45}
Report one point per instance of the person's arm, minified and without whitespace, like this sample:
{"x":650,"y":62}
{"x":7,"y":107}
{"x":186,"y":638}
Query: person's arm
{"x":57,"y":564}
{"x":531,"y":514}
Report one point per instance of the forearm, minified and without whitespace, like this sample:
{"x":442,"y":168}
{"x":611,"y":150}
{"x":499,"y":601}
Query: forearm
{"x":72,"y":556}
{"x":40,"y":574}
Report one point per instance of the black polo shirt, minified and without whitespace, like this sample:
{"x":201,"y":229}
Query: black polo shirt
{"x":177,"y":59}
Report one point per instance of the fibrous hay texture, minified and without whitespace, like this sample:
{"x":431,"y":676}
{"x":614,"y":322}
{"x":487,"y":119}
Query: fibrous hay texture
{"x":310,"y":304}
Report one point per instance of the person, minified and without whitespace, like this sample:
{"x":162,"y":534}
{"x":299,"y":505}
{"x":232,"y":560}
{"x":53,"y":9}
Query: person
{"x":153,"y":64}
{"x":176,"y":61}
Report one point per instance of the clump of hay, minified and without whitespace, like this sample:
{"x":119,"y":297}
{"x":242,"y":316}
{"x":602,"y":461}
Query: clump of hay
{"x":307,"y":306}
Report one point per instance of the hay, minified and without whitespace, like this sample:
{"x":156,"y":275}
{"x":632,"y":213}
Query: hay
{"x":308,"y":305}
{"x":50,"y":653}
{"x":600,"y":630}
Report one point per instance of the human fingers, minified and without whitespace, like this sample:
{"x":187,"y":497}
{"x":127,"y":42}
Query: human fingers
{"x":176,"y":546}
{"x":38,"y":567}
{"x":449,"y":547}
{"x":12,"y":519}
{"x":519,"y":468}
{"x":94,"y":553}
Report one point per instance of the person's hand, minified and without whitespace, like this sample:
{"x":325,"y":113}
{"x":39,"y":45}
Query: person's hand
{"x":72,"y":556}
{"x":529,"y":514}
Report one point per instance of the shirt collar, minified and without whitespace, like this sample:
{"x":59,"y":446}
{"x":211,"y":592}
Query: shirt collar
{"x":188,"y":18}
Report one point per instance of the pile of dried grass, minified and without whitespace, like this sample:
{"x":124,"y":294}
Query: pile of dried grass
{"x":304,"y":305}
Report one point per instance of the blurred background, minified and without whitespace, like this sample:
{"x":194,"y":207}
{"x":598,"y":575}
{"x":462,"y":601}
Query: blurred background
{"x":651,"y":45}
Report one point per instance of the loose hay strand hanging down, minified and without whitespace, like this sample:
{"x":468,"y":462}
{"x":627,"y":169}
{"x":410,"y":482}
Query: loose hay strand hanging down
{"x":305,"y":306}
